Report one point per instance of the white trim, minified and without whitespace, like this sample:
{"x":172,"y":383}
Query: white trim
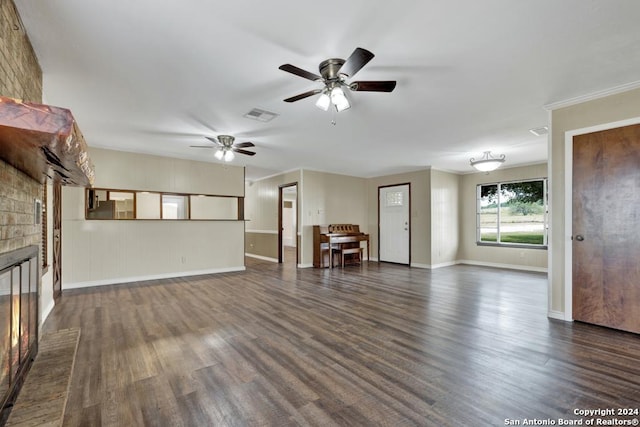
{"x":433,"y":266}
{"x":305,"y":265}
{"x":45,"y":312}
{"x":591,"y":96}
{"x":552,"y":314}
{"x":264,"y":258}
{"x":300,"y":218}
{"x":262,"y":231}
{"x":507,"y":266}
{"x":568,"y":203}
{"x":549,"y":214}
{"x":503,"y":167}
{"x":104,"y":282}
{"x":272,"y":176}
{"x":568,"y":225}
{"x":419,"y":265}
{"x":444,"y":264}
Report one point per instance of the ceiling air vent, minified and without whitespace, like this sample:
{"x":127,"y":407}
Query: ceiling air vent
{"x":261,"y":115}
{"x":539,"y":131}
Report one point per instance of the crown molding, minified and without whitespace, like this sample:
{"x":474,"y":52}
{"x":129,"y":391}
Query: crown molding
{"x":591,"y":96}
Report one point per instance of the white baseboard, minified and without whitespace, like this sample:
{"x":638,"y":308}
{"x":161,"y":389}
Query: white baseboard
{"x":508,"y":266}
{"x":444,"y":264}
{"x":418,"y":265}
{"x":115,"y":281}
{"x":264,"y":258}
{"x":553,"y":314}
{"x":434,"y":266}
{"x":479,"y":263}
{"x":305,"y":265}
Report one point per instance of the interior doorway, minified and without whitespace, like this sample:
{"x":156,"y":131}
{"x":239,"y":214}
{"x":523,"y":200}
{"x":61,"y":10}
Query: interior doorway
{"x":394,"y":224}
{"x":288,"y":224}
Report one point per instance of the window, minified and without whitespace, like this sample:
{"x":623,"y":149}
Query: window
{"x":394,"y":198}
{"x":106,"y":203}
{"x":512,"y":213}
{"x":175,"y":206}
{"x":110,"y":204}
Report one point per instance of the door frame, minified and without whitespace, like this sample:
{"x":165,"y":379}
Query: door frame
{"x":56,"y":234}
{"x":568,"y":208}
{"x":280,"y":200}
{"x":409,"y":242}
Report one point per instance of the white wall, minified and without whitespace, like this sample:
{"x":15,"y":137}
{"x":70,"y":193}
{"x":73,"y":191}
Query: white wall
{"x":214,"y":207}
{"x":420,"y":213}
{"x":330,"y":199}
{"x":97,"y":252}
{"x":261,"y":212}
{"x":564,"y":119}
{"x":289,"y":216}
{"x":497,"y":256}
{"x":445,"y":218}
{"x":148,"y":205}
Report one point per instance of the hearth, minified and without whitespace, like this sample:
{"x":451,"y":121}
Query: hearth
{"x":19,"y":279}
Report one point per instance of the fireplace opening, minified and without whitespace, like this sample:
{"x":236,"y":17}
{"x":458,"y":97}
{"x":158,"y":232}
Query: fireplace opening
{"x":19,"y":280}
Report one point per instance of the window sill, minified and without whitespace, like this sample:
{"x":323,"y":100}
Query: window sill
{"x":512,"y":245}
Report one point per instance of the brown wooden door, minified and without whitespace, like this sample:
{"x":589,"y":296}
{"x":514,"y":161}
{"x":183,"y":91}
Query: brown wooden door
{"x":606,"y":228}
{"x":57,"y":240}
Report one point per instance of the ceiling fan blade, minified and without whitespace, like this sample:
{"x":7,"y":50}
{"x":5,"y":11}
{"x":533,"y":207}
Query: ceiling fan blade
{"x":203,"y":146}
{"x":215,"y":141}
{"x":241,"y":151}
{"x":299,"y":72}
{"x":373,"y":86}
{"x":244,"y":144}
{"x":356,"y":61}
{"x":303,"y":95}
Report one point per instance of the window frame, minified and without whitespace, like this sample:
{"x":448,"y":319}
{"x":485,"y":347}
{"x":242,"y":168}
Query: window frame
{"x":498,"y":243}
{"x":239,"y":212}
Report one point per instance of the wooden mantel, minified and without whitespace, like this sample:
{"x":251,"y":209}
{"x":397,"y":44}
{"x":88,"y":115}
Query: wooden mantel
{"x":41,"y":140}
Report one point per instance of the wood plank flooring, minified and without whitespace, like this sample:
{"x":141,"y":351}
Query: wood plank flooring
{"x":360,"y":346}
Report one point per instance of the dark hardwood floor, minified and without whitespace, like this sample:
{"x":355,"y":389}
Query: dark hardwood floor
{"x":361,"y":346}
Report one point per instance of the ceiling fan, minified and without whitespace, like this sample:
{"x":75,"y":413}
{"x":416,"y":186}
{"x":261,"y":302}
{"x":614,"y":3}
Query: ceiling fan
{"x":334,"y":73}
{"x":225,"y":147}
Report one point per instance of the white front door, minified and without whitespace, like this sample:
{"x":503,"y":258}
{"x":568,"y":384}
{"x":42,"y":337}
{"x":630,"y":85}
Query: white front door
{"x":395,"y":228}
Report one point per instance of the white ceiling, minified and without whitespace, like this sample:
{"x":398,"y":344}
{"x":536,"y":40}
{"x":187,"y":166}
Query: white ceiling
{"x":155,"y":76}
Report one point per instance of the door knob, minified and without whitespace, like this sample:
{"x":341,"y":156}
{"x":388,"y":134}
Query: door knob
{"x":579,"y":237}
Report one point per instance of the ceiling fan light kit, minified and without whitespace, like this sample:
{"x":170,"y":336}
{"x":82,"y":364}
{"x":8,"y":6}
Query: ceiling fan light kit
{"x":339,"y":100}
{"x":226,"y":148}
{"x":487,"y":162}
{"x":333,"y":74}
{"x":324,"y":101}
